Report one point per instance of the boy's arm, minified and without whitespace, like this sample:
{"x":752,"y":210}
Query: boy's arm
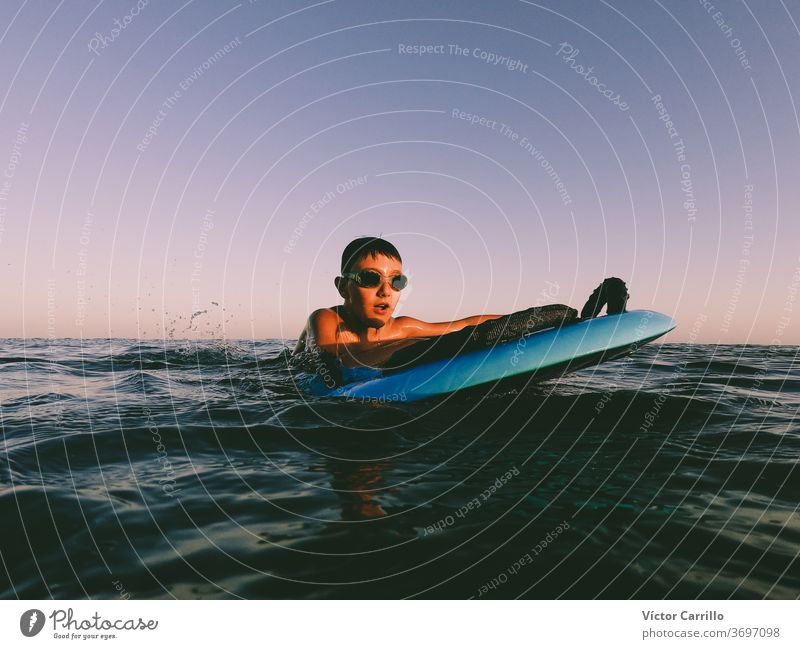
{"x":321,"y":329}
{"x":414,"y":328}
{"x":301,"y":341}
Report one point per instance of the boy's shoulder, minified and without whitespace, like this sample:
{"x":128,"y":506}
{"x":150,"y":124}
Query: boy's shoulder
{"x":408,"y":327}
{"x":327,"y":325}
{"x":403,"y":321}
{"x":325,"y":315}
{"x":406,"y":318}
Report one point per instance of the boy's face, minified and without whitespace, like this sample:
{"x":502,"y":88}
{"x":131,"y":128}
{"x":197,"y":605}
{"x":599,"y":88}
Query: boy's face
{"x":374,"y":306}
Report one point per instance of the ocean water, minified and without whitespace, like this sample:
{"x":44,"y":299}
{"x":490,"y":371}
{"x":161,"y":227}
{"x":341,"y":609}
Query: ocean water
{"x":138,"y":469}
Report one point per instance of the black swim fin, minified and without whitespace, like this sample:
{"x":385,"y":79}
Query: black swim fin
{"x":612,"y":292}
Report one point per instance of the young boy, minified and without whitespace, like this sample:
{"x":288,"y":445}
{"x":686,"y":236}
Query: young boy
{"x":362,"y":331}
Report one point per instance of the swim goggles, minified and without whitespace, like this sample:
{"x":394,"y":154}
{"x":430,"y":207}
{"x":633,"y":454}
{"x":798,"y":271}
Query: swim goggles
{"x":371,"y":279}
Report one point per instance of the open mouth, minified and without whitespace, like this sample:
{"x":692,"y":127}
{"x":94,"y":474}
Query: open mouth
{"x":382,"y":307}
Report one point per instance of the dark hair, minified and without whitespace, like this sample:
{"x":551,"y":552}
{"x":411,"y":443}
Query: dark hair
{"x":358,"y":249}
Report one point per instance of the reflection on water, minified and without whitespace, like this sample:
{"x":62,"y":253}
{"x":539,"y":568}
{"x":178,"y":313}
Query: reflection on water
{"x":356,"y":487}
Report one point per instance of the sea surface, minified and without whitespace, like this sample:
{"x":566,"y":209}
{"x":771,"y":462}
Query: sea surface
{"x":183,"y":469}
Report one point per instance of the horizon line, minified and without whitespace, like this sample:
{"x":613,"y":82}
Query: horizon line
{"x":40,"y":338}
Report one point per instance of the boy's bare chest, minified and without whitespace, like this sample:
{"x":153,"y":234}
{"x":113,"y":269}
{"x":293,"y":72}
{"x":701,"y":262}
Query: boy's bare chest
{"x":346,"y":335}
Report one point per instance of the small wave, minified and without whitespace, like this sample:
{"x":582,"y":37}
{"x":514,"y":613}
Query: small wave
{"x":725,"y":368}
{"x":23,"y":360}
{"x":141,"y":382}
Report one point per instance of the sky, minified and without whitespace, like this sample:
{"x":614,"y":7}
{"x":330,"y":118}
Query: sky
{"x":194,"y":169}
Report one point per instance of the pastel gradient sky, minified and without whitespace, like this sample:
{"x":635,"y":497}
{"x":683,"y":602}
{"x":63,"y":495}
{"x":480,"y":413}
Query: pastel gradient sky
{"x":213,"y":156}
